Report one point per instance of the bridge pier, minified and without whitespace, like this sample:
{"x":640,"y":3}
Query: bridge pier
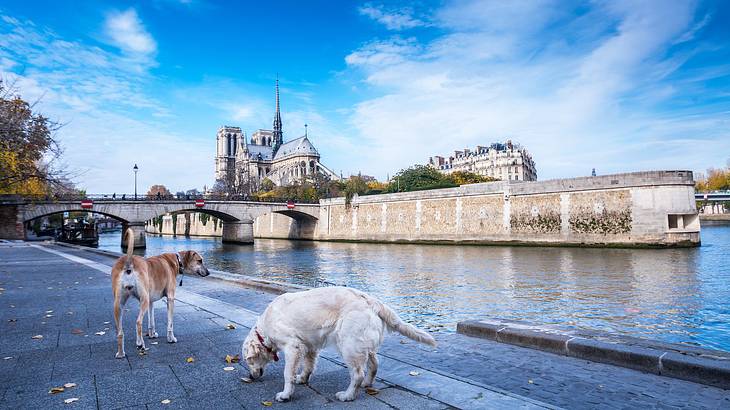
{"x":238,"y":232}
{"x":139,"y":235}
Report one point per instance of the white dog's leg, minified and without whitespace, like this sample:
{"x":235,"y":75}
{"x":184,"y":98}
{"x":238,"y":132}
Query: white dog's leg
{"x":170,"y":307}
{"x":151,"y":332}
{"x":372,"y":369}
{"x":310,"y":361}
{"x":119,"y":302}
{"x":355,"y":363}
{"x":293,"y":356}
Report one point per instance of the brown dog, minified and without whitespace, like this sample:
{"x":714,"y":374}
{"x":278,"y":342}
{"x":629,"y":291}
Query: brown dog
{"x":148,"y":280}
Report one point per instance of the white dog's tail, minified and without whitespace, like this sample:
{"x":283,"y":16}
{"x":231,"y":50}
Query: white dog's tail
{"x":130,"y":246}
{"x":395,"y":324}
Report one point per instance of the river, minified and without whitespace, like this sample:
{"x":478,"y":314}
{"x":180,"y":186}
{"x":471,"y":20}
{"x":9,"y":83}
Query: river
{"x":673,"y":295}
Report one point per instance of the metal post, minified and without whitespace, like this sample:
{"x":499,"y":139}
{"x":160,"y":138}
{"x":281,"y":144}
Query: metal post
{"x":135,"y":181}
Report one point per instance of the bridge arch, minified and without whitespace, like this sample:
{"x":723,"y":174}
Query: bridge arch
{"x":40,"y":213}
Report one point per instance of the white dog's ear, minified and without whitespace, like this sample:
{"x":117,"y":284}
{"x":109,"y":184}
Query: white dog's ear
{"x":252,"y":350}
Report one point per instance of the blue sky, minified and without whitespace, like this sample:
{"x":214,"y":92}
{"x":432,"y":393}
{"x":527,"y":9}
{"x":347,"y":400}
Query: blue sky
{"x":616,"y":85}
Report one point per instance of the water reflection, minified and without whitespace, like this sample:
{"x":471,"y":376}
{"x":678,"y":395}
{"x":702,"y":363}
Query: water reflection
{"x":676,"y":295}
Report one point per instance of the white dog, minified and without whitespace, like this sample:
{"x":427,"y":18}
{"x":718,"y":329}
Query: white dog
{"x":301,"y":324}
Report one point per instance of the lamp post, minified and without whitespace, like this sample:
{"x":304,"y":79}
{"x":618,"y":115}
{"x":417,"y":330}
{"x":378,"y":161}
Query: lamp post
{"x":135,"y":180}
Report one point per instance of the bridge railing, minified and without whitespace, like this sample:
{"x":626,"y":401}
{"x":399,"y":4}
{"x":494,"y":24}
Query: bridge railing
{"x":145,"y":197}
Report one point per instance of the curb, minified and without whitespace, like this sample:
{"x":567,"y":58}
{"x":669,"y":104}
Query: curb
{"x":704,"y":366}
{"x":243,"y":280}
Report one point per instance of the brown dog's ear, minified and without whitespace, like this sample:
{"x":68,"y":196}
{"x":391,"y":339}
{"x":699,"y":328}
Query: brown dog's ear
{"x":186,"y":257}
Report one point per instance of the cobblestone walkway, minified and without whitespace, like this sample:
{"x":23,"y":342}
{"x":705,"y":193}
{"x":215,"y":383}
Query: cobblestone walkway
{"x":541,"y":378}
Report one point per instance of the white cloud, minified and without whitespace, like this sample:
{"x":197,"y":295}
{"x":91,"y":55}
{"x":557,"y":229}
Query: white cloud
{"x":392,"y":19}
{"x":111,"y":121}
{"x":126,"y":31}
{"x":578,"y":91}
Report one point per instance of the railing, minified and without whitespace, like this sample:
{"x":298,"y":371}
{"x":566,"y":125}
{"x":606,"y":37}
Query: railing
{"x":712,"y":196}
{"x":145,"y":197}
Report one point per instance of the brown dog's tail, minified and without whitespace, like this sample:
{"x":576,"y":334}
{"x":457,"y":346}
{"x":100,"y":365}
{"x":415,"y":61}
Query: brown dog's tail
{"x":395,"y":324}
{"x":130,"y":245}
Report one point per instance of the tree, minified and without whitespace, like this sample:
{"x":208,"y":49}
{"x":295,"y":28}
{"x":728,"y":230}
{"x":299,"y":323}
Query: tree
{"x":158,"y":189}
{"x":466,"y":177}
{"x":418,"y":177}
{"x":716,"y":180}
{"x":28,"y":149}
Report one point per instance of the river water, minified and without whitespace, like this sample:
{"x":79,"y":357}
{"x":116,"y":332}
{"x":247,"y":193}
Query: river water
{"x":674,"y":295}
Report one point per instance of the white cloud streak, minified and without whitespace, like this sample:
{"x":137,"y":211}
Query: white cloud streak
{"x":393,"y":19}
{"x":578,"y":92}
{"x":126,"y":31}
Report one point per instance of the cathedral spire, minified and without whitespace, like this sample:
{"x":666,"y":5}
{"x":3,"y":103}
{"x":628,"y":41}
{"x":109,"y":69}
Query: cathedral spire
{"x":278,"y":135}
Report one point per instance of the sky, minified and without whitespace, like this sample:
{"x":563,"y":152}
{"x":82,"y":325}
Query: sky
{"x":618,"y":86}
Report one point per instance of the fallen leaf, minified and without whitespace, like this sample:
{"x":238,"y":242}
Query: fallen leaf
{"x":229,"y":368}
{"x":190,"y":360}
{"x":56,"y":390}
{"x":166,"y":401}
{"x":100,"y":333}
{"x":230,"y":326}
{"x":414,"y":373}
{"x":267,"y":403}
{"x":246,"y":379}
{"x":232,"y":359}
{"x":77,"y":331}
{"x":71,"y":400}
{"x":371,"y":391}
{"x":69,"y":385}
{"x":37,"y":337}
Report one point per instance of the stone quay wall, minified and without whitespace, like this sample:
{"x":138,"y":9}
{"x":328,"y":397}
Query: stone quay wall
{"x":641,"y":209}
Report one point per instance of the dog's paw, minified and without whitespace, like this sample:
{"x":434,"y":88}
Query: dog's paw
{"x":152,"y":335}
{"x":120,"y":355}
{"x":141,"y":347}
{"x":366,"y":383}
{"x":171,"y":339}
{"x":344,"y":396}
{"x":281,"y":397}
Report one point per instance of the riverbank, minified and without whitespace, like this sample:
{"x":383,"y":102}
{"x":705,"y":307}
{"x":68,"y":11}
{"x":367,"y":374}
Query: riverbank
{"x":479,"y":368}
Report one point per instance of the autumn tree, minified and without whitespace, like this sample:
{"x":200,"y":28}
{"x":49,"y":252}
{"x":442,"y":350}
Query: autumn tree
{"x":160,"y":190}
{"x":466,"y":177}
{"x":28,"y":149}
{"x":716,"y":180}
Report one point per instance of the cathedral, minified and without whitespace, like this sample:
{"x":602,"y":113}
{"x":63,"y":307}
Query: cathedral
{"x":241,"y":165}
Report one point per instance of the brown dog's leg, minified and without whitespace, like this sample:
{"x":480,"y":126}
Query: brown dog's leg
{"x":170,"y":308}
{"x":144,"y":304}
{"x":119,"y":302}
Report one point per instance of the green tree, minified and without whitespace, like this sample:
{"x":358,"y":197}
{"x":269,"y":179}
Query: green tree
{"x":418,"y":177}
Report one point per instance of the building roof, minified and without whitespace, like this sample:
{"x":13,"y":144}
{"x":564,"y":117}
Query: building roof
{"x":298,"y":146}
{"x":265,"y":151}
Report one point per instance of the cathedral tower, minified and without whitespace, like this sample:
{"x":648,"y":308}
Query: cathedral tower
{"x":278,"y":134}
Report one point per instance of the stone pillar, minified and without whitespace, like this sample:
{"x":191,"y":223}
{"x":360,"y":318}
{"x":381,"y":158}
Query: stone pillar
{"x":139,"y":235}
{"x":238,"y":232}
{"x":11,"y":222}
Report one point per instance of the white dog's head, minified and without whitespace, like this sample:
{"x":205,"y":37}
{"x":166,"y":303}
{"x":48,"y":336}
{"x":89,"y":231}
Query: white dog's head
{"x":257,"y":353}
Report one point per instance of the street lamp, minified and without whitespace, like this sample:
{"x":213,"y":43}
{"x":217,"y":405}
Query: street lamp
{"x":135,"y":180}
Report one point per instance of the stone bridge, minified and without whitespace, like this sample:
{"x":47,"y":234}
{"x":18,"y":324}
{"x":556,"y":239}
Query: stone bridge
{"x":237,"y":216}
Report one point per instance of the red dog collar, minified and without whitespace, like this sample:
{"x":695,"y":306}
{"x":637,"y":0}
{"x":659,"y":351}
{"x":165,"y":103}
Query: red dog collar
{"x":268,"y":349}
